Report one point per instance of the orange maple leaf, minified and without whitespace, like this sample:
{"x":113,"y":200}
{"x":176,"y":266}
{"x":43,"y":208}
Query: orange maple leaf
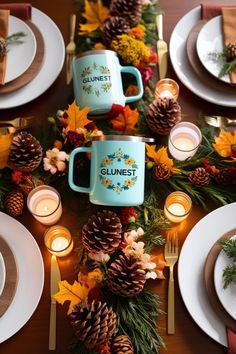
{"x":75,"y":117}
{"x":160,"y":156}
{"x":95,"y":15}
{"x":126,"y":121}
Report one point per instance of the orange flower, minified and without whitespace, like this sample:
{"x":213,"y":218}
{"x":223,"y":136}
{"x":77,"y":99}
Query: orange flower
{"x":99,"y":45}
{"x":138,"y":31}
{"x":126,"y":121}
{"x":225,"y":142}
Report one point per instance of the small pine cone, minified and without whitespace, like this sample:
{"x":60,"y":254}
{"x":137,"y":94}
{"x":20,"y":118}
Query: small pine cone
{"x":25,"y":152}
{"x":94,"y":323}
{"x":102,"y":232}
{"x":114,"y":27}
{"x":125,"y":276}
{"x":162,"y":115}
{"x":3,"y":47}
{"x":131,"y":10}
{"x":199,"y":177}
{"x":226,"y":176}
{"x":14,"y":203}
{"x":161,"y":172}
{"x":230,"y":52}
{"x":122,"y":345}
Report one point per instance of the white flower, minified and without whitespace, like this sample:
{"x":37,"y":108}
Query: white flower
{"x":55,"y":160}
{"x":151,"y":275}
{"x":99,"y":257}
{"x":132,"y":235}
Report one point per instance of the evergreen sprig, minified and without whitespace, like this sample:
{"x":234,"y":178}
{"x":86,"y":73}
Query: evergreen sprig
{"x":229,"y":273}
{"x":16,"y":38}
{"x":228,"y":68}
{"x":229,"y":247}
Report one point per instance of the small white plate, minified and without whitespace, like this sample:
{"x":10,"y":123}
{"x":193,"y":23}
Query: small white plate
{"x":2,"y":274}
{"x":226,"y":296}
{"x":210,"y":40}
{"x":19,"y":56}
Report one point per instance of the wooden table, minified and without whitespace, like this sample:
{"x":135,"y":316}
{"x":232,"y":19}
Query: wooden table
{"x":33,"y":337}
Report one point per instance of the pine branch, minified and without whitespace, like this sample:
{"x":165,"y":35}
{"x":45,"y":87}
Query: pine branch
{"x":16,"y":38}
{"x":229,"y":275}
{"x":229,"y":247}
{"x":228,"y":68}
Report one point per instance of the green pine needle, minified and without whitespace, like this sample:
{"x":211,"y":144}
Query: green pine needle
{"x":16,"y":38}
{"x":228,"y":68}
{"x":229,"y":247}
{"x":229,"y":275}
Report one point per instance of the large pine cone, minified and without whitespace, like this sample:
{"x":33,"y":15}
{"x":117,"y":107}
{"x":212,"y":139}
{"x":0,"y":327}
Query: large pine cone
{"x":102,"y":232}
{"x":163,"y":114}
{"x":125,"y":276}
{"x":14,"y":203}
{"x":25,"y":152}
{"x":94,"y":323}
{"x":161,"y":172}
{"x":114,"y":27}
{"x":131,"y":10}
{"x":199,"y":177}
{"x":226,"y":176}
{"x":230,"y":52}
{"x":122,"y":345}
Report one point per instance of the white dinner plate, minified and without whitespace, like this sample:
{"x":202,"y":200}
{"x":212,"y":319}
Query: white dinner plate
{"x":2,"y":274}
{"x":182,"y":67}
{"x":19,"y":56}
{"x":191,"y":269}
{"x":30,"y":276}
{"x":53,"y":61}
{"x":210,"y":40}
{"x":226,"y":296}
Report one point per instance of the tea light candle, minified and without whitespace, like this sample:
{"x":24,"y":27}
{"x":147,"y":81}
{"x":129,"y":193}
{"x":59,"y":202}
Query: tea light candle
{"x":184,"y":140}
{"x":58,"y":240}
{"x":167,"y":88}
{"x":44,"y":203}
{"x":177,"y":206}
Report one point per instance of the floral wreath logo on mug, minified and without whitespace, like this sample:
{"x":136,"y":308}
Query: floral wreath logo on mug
{"x":130,"y":169}
{"x":99,"y":74}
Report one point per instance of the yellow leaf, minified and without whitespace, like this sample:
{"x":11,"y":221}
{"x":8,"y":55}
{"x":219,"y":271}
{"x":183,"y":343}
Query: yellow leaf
{"x":160,"y":157}
{"x":95,"y":14}
{"x":76,"y":117}
{"x":91,"y":279}
{"x":126,"y":121}
{"x":223,"y":143}
{"x":74,"y":293}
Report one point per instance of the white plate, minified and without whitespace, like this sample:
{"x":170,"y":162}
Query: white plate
{"x":19,"y":56}
{"x":226,"y":296}
{"x":191,"y":269}
{"x":210,"y":40}
{"x":2,"y":274}
{"x":30,"y":276}
{"x":51,"y":68}
{"x":183,"y":68}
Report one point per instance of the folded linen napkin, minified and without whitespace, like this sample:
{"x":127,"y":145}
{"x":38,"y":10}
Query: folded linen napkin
{"x":22,"y":11}
{"x":4,"y":15}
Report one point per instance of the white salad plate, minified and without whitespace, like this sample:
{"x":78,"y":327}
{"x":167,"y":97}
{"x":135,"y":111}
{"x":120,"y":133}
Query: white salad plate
{"x":210,"y":42}
{"x":191,"y":266}
{"x":183,"y":69}
{"x":20,"y":55}
{"x":2,"y":274}
{"x":52,"y":65}
{"x":30,"y":276}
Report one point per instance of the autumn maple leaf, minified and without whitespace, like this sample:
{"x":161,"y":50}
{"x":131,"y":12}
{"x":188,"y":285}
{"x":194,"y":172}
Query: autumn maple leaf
{"x":160,"y":156}
{"x":126,"y":121}
{"x":95,"y":14}
{"x":75,"y":117}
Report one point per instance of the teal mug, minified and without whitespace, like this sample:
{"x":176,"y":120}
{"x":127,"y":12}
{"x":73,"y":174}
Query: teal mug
{"x":117,"y":170}
{"x":98,"y":83}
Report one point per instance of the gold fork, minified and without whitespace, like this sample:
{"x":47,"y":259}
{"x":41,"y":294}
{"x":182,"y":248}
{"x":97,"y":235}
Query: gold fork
{"x":19,"y":122}
{"x":171,"y":253}
{"x":220,"y":121}
{"x":70,"y":49}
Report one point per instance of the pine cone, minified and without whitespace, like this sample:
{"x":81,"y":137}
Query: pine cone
{"x":131,"y":10}
{"x":114,"y":27}
{"x":161,"y":172}
{"x":163,"y":114}
{"x":230,"y":52}
{"x":226,"y":176}
{"x":94,"y":323}
{"x":122,"y":345}
{"x":102,"y":232}
{"x":14,"y":203}
{"x":25,"y":152}
{"x":125,"y":276}
{"x":3,"y":47}
{"x":199,"y":177}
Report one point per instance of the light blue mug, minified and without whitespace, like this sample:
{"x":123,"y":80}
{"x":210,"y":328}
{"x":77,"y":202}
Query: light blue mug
{"x":98,"y":83}
{"x":117,"y":170}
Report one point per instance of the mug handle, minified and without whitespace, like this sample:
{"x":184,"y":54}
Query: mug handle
{"x":71,"y":169}
{"x":136,"y":73}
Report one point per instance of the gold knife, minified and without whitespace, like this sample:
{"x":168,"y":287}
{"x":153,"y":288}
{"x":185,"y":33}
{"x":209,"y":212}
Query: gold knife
{"x":162,"y":49}
{"x":55,"y":278}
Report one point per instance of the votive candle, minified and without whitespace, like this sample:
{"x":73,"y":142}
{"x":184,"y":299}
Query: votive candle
{"x":44,"y":203}
{"x":177,"y":206}
{"x":184,"y":140}
{"x":58,"y":240}
{"x":167,"y":88}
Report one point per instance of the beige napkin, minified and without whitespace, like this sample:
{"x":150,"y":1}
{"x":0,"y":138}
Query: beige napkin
{"x":229,"y":25}
{"x":4,"y":15}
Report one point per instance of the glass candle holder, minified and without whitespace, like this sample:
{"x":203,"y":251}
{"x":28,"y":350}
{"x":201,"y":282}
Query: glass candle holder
{"x":184,"y":140}
{"x":44,"y":203}
{"x":58,"y":240}
{"x":177,"y":206}
{"x":167,"y":88}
